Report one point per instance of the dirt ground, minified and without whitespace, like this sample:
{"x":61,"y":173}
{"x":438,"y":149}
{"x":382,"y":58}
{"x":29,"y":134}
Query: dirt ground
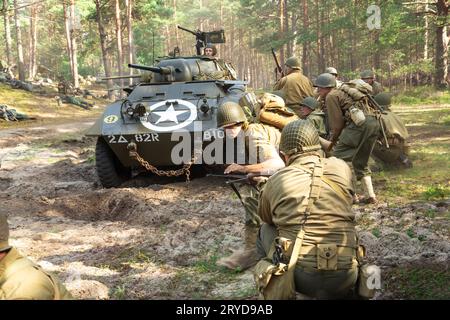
{"x":149,"y":240}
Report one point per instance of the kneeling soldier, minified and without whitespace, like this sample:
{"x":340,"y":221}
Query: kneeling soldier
{"x":20,"y":278}
{"x":309,"y":200}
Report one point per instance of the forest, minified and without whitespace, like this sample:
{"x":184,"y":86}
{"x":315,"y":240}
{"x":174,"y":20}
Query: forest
{"x":404,"y":42}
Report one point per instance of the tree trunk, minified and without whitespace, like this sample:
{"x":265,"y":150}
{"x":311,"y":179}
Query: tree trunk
{"x":281,"y":31}
{"x":129,"y":6}
{"x":73,"y":45}
{"x":67,"y":29}
{"x":7,"y":32}
{"x":289,"y":52}
{"x":426,"y":35}
{"x":305,"y":64}
{"x":103,"y":35}
{"x":21,"y":65}
{"x":119,"y":42}
{"x":33,"y":42}
{"x":441,"y":51}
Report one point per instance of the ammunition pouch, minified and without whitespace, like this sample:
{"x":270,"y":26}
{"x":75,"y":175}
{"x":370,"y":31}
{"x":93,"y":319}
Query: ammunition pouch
{"x":327,"y":257}
{"x":274,"y":282}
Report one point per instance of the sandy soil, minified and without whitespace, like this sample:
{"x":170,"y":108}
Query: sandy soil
{"x":151,"y":240}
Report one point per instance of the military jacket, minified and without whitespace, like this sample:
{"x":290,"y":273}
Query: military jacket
{"x":21,"y":279}
{"x":285,"y":198}
{"x":296,"y":87}
{"x":318,"y":119}
{"x":376,"y":88}
{"x":336,"y":103}
{"x":262,"y":141}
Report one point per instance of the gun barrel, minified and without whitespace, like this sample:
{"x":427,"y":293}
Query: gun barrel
{"x":160,"y":70}
{"x":134,"y":76}
{"x":187,"y":30}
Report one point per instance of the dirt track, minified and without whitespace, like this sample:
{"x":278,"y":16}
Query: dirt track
{"x":149,"y":240}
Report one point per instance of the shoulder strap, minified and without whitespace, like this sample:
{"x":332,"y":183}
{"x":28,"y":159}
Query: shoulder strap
{"x":313,"y":196}
{"x":339,"y":191}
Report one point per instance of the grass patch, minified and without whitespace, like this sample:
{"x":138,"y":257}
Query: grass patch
{"x":119,"y":292}
{"x":422,"y":95}
{"x":376,"y":232}
{"x":418,"y":283}
{"x":437,"y":192}
{"x":430,"y":142}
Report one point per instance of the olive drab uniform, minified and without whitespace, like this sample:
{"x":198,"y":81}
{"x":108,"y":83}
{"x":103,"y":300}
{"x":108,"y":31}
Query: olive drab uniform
{"x":327,"y":265}
{"x":354,"y":143}
{"x":295,"y":87}
{"x":376,"y":88}
{"x":319,"y":120}
{"x":396,"y":150}
{"x":261,"y":144}
{"x":22,"y":279}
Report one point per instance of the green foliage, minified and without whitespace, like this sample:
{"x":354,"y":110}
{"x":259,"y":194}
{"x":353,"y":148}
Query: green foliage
{"x":410,"y":232}
{"x":437,"y":192}
{"x":376,"y":232}
{"x":418,"y":283}
{"x":422,"y":95}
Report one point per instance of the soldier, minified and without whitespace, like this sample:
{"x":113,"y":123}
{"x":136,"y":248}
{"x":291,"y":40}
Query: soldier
{"x":369,"y":77}
{"x":396,"y":134}
{"x":353,"y":143}
{"x":210,"y":50}
{"x":20,"y":278}
{"x":311,"y":112}
{"x":312,"y":194}
{"x":75,"y":101}
{"x":261,"y":144}
{"x":295,"y":85}
{"x":334,"y":72}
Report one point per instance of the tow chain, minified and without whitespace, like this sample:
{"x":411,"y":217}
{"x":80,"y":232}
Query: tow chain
{"x":166,"y":173}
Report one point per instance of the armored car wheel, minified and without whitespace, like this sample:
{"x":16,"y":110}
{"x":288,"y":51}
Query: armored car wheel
{"x":109,"y":169}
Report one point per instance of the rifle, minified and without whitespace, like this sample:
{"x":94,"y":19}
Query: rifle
{"x":278,"y":68}
{"x":234,"y":178}
{"x":382,"y":111}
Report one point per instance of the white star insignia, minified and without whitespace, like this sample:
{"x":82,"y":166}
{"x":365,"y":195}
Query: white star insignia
{"x":170,"y":114}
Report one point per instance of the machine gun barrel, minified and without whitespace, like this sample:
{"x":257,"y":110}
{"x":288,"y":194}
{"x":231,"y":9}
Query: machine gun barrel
{"x":187,"y":30}
{"x":160,"y":70}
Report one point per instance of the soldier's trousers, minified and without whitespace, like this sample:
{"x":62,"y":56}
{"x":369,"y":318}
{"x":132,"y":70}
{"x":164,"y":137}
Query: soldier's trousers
{"x":355,"y":145}
{"x":321,"y":284}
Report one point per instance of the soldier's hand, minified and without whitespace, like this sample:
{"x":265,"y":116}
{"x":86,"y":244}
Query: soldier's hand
{"x":234,"y":168}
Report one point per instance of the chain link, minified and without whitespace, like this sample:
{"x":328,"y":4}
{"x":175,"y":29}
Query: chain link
{"x":166,"y":173}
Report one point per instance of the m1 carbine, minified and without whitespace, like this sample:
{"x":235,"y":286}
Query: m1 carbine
{"x":278,"y":68}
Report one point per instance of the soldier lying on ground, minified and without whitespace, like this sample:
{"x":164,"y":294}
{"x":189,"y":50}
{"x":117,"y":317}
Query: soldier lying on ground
{"x":22,"y":279}
{"x":73,"y":100}
{"x":11,"y":114}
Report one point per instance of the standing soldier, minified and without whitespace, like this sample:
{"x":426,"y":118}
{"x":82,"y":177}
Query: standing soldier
{"x":308,"y":220}
{"x":369,"y":77}
{"x":334,"y":72}
{"x":311,"y":112}
{"x":295,"y":85}
{"x":20,"y":278}
{"x":354,"y":143}
{"x":261,"y":144}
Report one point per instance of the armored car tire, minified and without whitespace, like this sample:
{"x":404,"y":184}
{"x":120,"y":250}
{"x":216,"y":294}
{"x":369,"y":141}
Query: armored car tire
{"x":109,"y":169}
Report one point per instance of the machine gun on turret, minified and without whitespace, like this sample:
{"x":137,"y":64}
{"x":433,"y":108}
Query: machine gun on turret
{"x":204,"y":38}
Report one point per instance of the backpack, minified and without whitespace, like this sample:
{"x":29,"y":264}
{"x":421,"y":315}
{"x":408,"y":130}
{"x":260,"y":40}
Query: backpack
{"x":273,"y":111}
